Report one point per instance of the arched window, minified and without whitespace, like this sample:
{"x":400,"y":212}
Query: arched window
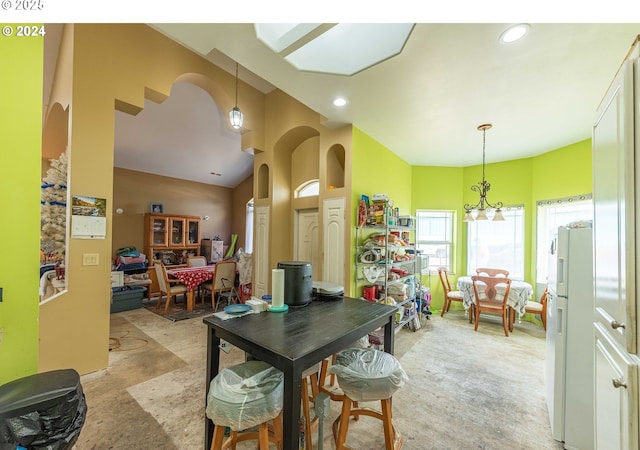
{"x":308,"y":189}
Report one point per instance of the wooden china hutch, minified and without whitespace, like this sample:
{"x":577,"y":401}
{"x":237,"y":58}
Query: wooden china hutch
{"x":171,"y":239}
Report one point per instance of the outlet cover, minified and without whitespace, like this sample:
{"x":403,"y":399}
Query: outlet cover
{"x":90,"y":259}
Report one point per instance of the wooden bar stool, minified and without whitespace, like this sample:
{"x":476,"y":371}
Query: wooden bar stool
{"x":367,"y":375}
{"x":244,"y":396}
{"x":310,"y":389}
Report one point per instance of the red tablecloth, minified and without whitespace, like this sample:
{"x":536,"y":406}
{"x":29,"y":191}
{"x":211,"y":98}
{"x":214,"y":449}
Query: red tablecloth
{"x":191,"y":277}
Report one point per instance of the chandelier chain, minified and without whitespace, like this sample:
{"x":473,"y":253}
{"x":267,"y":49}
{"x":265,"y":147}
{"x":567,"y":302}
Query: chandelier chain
{"x":236,"y":84}
{"x":483,"y":187}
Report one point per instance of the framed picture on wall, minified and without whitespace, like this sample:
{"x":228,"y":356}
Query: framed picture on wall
{"x":157,"y":208}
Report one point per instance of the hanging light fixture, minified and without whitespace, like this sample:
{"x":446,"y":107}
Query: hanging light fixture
{"x":235,"y":115}
{"x":482,"y":188}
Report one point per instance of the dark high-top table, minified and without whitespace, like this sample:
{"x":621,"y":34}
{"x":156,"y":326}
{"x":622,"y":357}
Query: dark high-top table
{"x":294,"y":341}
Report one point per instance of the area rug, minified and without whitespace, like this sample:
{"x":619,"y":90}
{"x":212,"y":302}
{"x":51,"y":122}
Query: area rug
{"x":178,"y":309}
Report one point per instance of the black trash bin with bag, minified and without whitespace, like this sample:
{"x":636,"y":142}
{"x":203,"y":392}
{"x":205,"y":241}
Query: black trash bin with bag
{"x":45,"y":411}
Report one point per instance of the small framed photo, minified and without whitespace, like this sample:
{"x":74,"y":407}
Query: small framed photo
{"x":157,"y":208}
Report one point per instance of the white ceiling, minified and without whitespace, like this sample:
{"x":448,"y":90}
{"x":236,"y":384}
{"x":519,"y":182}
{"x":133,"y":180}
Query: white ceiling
{"x":540,"y":94}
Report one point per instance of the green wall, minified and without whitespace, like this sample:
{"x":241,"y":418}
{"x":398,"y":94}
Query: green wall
{"x":376,"y":170}
{"x":20,"y":159}
{"x":559,"y":173}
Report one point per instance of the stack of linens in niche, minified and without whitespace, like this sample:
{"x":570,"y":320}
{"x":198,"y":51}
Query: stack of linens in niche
{"x":131,"y":261}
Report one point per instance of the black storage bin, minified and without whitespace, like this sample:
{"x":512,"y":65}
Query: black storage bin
{"x":45,"y":411}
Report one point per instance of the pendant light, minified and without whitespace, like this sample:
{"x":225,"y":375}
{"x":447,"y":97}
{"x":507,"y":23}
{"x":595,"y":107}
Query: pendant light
{"x":235,"y":115}
{"x":482,"y":188}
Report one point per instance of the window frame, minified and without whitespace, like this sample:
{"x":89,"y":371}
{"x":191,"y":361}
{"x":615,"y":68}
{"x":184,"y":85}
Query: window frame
{"x":307,"y":185}
{"x":543,"y":229}
{"x":446,"y":214}
{"x":518,"y":270}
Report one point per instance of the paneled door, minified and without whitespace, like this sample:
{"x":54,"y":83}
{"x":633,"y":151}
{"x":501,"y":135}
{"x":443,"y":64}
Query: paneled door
{"x":307,"y":245}
{"x":261,"y":251}
{"x":614,"y":215}
{"x":333,"y":240}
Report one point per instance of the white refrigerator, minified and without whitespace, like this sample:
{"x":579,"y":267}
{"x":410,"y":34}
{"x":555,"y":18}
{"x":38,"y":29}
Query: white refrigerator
{"x":570,"y":347}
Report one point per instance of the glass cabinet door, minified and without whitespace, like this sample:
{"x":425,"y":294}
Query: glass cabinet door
{"x":159,"y":233}
{"x":193,"y":232}
{"x":177,"y":231}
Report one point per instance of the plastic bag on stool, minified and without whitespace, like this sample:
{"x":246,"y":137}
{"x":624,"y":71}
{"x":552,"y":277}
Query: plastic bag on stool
{"x":366,"y":374}
{"x":245,"y":395}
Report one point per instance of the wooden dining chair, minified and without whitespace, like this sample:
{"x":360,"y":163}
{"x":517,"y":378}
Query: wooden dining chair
{"x":488,"y":299}
{"x":449,"y":295}
{"x":539,"y":308}
{"x":168,"y":287}
{"x":223,"y":283}
{"x":492,"y":272}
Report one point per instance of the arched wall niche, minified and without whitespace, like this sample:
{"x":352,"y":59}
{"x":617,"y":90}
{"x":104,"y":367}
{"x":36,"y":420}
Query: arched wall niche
{"x":305,"y":159}
{"x":283,"y":151}
{"x":282,"y":188}
{"x":263,"y":181}
{"x":335,"y":167}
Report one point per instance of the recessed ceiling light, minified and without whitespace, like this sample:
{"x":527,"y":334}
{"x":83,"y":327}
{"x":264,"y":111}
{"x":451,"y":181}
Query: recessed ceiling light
{"x":340,"y":102}
{"x":514,"y":32}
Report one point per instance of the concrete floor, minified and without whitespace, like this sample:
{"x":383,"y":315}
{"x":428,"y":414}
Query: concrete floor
{"x":466,"y":390}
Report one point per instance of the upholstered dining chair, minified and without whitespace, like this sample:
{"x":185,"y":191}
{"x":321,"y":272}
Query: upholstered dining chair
{"x":449,"y":295}
{"x":223,"y":283}
{"x":539,"y":308}
{"x":168,"y":287}
{"x":197,"y":261}
{"x":492,"y":272}
{"x":489,"y":299}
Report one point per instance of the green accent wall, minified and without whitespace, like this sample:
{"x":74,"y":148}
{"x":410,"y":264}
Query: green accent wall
{"x":20,"y":160}
{"x":558,"y":173}
{"x":563,"y":172}
{"x":377,"y":170}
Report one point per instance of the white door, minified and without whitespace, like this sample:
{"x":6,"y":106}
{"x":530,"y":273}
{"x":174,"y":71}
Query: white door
{"x":613,"y":201}
{"x":334,"y":241}
{"x":616,"y":388}
{"x":261,"y":251}
{"x":307,"y":245}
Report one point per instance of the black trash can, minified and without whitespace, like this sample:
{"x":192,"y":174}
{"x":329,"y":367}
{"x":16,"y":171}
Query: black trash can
{"x":45,"y":411}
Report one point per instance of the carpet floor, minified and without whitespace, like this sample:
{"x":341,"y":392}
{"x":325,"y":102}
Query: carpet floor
{"x":466,"y":389}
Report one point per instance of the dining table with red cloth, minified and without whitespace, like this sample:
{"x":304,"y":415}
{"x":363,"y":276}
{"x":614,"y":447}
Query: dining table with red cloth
{"x":192,"y":277}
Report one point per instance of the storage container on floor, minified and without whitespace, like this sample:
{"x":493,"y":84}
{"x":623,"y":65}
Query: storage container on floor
{"x":126,"y":297}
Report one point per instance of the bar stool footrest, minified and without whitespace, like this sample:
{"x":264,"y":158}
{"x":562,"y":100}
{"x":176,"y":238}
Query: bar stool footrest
{"x":398,"y":440}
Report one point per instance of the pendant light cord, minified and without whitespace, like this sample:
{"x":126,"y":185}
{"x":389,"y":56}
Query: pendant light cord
{"x":236,"y":85}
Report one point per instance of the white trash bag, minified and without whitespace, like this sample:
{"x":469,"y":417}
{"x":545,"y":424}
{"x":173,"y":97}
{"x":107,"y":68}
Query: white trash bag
{"x":367,"y":374}
{"x":245,"y":395}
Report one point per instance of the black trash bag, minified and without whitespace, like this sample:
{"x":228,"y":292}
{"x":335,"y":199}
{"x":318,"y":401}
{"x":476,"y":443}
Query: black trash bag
{"x":45,"y":411}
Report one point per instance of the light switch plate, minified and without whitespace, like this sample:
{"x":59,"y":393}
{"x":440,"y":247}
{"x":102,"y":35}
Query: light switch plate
{"x":90,"y":259}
